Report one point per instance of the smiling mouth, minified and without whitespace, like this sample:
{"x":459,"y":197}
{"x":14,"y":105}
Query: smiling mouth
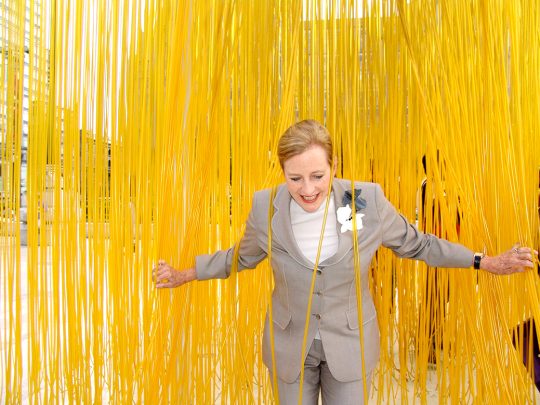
{"x":309,"y":199}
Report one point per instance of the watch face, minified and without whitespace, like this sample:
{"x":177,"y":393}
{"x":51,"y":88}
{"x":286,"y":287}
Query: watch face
{"x":477,"y":258}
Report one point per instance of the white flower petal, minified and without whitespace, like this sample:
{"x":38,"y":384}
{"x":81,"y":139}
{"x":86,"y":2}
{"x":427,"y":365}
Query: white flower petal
{"x":359,"y":223}
{"x":343,"y":214}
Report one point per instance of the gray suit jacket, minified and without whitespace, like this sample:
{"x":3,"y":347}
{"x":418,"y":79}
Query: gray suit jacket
{"x":334,"y":306}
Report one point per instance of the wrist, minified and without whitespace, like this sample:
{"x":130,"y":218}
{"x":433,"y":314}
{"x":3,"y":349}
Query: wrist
{"x":478,"y":258}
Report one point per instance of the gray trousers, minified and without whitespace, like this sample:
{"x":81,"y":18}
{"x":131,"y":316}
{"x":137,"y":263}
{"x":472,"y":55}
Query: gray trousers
{"x":317,"y":378}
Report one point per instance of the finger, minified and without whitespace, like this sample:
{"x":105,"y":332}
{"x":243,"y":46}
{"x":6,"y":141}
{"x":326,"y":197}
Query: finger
{"x":525,"y":254}
{"x":159,"y":264}
{"x":519,"y":258}
{"x":156,"y":268}
{"x":530,"y":264}
{"x":163,"y":272}
{"x":524,"y":263}
{"x":521,"y":254}
{"x":162,"y":278}
{"x":166,"y":284}
{"x":162,"y":281}
{"x":525,"y":250}
{"x":530,"y":251}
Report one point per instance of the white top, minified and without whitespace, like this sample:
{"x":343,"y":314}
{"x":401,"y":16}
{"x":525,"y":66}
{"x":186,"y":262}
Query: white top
{"x":307,"y":227}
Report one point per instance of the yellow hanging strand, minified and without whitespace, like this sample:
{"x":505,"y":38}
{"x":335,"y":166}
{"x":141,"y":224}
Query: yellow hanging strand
{"x":358,"y":287}
{"x":270,"y":311}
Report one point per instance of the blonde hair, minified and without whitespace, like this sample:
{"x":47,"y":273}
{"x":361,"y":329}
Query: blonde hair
{"x":300,"y":137}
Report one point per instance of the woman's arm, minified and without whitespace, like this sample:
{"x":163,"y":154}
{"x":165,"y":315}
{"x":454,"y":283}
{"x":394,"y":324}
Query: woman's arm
{"x":408,"y":242}
{"x":219,"y":264}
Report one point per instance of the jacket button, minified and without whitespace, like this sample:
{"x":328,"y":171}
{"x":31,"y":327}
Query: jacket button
{"x":319,"y":271}
{"x":318,"y":293}
{"x":318,"y":316}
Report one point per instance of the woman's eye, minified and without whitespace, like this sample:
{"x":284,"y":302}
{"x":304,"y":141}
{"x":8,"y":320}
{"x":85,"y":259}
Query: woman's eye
{"x":319,"y":176}
{"x":295,"y":178}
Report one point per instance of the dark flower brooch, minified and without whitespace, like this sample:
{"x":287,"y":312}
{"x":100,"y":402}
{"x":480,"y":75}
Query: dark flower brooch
{"x":344,"y":213}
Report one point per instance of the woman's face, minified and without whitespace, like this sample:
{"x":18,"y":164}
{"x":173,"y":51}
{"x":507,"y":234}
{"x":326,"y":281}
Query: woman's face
{"x":308,"y":177}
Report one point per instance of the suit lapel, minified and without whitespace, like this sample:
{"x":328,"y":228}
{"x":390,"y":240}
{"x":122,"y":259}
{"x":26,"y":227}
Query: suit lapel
{"x":281,"y":225}
{"x":345,"y":244}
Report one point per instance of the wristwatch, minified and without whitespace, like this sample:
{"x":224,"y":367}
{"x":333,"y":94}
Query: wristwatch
{"x":477,"y":258}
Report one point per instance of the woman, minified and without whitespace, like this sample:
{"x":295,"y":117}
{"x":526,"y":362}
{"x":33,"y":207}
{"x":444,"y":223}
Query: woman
{"x":333,"y":362}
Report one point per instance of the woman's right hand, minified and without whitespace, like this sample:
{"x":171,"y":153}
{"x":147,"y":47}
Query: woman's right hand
{"x":166,"y":276}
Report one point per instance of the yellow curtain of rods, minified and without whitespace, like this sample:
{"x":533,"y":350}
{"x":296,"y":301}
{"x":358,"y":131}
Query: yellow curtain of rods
{"x":151,"y":123}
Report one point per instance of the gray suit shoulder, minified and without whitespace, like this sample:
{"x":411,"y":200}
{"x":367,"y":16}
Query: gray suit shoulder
{"x":363,"y":185}
{"x":263,"y":195}
{"x":260,"y":195}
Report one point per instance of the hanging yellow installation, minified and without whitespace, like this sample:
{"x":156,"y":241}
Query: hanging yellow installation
{"x":132,"y":131}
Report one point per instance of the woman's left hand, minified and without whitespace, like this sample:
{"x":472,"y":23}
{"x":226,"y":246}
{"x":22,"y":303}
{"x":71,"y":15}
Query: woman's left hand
{"x":515,"y":260}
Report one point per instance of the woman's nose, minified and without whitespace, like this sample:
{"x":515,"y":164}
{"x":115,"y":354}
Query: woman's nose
{"x":308,"y":188}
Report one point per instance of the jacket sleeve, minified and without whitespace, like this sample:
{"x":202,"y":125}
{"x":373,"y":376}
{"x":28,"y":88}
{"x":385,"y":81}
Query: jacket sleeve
{"x":219,"y":264}
{"x":408,"y":242}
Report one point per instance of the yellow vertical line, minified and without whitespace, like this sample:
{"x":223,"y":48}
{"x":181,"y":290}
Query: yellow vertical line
{"x":17,"y":134}
{"x":31,"y":280}
{"x":270,"y":307}
{"x":11,"y":97}
{"x":358,"y":286}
